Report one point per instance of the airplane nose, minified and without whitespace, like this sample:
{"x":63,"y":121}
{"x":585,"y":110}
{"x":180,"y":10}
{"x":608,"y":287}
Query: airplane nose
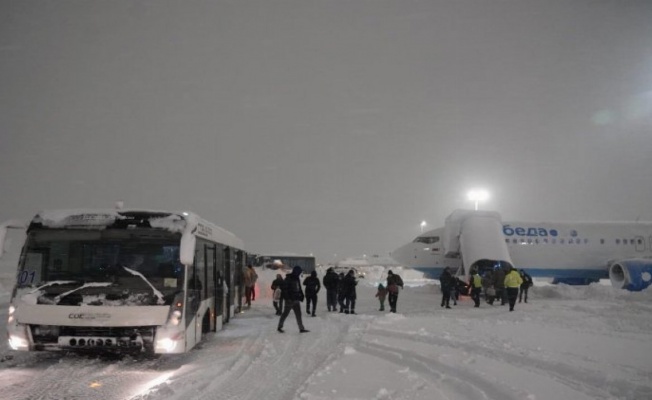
{"x":402,"y":255}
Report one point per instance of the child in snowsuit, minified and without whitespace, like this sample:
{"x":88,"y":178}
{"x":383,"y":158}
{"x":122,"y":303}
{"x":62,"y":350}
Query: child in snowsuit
{"x":381,"y":293}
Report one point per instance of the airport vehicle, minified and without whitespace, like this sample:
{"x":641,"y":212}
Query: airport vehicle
{"x":307,"y":263}
{"x":566,"y":252}
{"x":123,"y":281}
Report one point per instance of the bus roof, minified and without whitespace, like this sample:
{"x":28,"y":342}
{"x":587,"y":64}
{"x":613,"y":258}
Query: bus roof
{"x":176,"y":222}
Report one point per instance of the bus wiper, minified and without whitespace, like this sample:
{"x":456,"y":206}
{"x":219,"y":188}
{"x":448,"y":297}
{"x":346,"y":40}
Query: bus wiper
{"x":50,"y":284}
{"x":158,"y":294}
{"x":85,"y":285}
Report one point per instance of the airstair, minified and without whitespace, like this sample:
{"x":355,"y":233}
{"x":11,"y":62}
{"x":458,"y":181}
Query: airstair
{"x":477,"y":238}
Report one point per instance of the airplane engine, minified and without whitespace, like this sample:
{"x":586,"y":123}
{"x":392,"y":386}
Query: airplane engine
{"x":634,"y":274}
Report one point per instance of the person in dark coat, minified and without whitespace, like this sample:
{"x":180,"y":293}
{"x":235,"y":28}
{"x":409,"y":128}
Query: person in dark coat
{"x":448,"y":282}
{"x":527,"y":282}
{"x":312,"y":288}
{"x":330,"y":283}
{"x":499,"y":285}
{"x":341,"y":295}
{"x":293,"y":296}
{"x":394,"y":282}
{"x":278,"y":284}
{"x":349,"y":283}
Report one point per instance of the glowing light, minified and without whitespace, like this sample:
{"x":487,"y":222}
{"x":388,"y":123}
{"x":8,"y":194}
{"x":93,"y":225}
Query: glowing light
{"x":95,"y":385}
{"x":167,"y":344}
{"x":423,"y":225}
{"x":17,"y":343}
{"x":478,"y":195}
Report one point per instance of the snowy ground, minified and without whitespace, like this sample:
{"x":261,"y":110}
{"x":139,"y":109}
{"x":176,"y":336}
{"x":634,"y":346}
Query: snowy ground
{"x":567,"y":343}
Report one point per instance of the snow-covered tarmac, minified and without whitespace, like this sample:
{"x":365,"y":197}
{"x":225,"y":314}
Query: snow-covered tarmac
{"x":568,"y":343}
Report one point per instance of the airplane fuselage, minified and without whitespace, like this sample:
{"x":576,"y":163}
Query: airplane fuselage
{"x":582,"y":250}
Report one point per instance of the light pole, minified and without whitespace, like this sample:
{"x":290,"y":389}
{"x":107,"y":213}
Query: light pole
{"x":477,"y":196}
{"x":423,"y":225}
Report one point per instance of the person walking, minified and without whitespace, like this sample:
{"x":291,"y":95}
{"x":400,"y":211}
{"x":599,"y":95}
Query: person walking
{"x":312,"y":288}
{"x":341,"y":295}
{"x":349,"y":283}
{"x":476,"y":288}
{"x":394,"y":282}
{"x":527,"y":282}
{"x":499,"y":285}
{"x":293,"y":296}
{"x":277,"y":284}
{"x":330,"y":283}
{"x":381,"y":293}
{"x":512,"y":283}
{"x":250,"y":277}
{"x":447,"y":281}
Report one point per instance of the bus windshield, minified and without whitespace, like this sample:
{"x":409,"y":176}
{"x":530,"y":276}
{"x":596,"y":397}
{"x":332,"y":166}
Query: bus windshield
{"x":110,"y":265}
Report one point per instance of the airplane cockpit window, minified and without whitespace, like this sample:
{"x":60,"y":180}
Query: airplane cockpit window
{"x":427,"y":239}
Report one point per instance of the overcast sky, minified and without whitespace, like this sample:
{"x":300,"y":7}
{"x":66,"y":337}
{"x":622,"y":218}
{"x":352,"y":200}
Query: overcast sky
{"x":328,"y":127}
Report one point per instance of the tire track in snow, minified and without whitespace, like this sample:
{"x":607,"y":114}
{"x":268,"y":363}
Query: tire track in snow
{"x":290,"y":358}
{"x":594,"y":385}
{"x":447,"y":379}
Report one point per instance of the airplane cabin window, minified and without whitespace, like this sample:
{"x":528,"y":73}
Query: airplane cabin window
{"x":617,"y":241}
{"x":427,"y":239}
{"x":601,"y":241}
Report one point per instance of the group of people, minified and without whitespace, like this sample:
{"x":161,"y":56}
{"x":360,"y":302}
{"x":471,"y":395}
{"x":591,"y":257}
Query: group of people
{"x":340,"y":293}
{"x":507,"y":284}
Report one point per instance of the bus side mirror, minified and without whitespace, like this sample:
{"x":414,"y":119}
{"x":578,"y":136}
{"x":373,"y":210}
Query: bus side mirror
{"x":11,"y":224}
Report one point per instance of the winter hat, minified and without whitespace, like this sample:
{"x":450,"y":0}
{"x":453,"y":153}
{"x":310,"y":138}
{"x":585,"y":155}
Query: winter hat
{"x":390,"y":272}
{"x":297,"y":270}
{"x":313,"y":273}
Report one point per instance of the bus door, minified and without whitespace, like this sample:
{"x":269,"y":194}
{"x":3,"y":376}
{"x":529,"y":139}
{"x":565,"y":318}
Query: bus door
{"x":219,"y":285}
{"x":210,"y":293}
{"x":226,"y":284}
{"x":226,"y":271}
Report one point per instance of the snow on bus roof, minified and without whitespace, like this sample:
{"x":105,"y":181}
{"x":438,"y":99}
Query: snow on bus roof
{"x":170,"y":221}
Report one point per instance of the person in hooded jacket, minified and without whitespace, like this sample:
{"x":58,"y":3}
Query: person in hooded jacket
{"x":277,"y":284}
{"x":527,"y":282}
{"x":499,"y":285}
{"x":349,"y":283}
{"x":330,"y":283}
{"x":447,"y":282}
{"x":341,"y":294}
{"x":394,"y":282}
{"x":293,"y":296}
{"x":312,"y":288}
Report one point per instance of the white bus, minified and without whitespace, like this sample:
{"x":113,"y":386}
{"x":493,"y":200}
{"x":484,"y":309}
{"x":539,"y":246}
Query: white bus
{"x":123,"y":281}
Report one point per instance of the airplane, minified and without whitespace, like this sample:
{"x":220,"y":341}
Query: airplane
{"x":575,"y":253}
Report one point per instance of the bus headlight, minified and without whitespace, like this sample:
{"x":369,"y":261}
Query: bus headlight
{"x":11,"y":318}
{"x":17,"y":342}
{"x":168,"y":345}
{"x":175,"y":317}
